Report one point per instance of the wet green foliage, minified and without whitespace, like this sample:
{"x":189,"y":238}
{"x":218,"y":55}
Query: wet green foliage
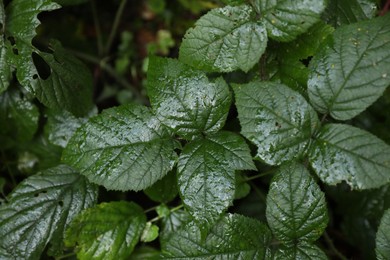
{"x":223,"y":129}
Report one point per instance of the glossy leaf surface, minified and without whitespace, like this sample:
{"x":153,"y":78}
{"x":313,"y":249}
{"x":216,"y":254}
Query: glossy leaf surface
{"x":206,"y":174}
{"x":345,"y":153}
{"x":5,"y":55}
{"x":352,"y":71}
{"x":163,"y":190}
{"x":301,"y":251}
{"x":123,"y":148}
{"x":224,"y":40}
{"x":233,"y":237}
{"x":276,"y":119}
{"x":296,"y":207}
{"x":107,"y":231}
{"x":40,"y":208}
{"x":383,"y":237}
{"x":185,"y":100}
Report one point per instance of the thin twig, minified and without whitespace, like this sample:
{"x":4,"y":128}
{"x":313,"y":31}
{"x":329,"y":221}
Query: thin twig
{"x":172,"y":210}
{"x":260,"y":175}
{"x":97,"y":28}
{"x":332,"y":247}
{"x":115,"y":25}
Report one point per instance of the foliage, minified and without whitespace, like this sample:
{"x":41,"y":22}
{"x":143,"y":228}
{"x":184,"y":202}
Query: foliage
{"x":259,"y":141}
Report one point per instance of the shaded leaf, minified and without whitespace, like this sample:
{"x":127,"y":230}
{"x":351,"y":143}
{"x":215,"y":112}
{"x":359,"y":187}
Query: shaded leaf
{"x":150,"y":232}
{"x":171,"y":223}
{"x":40,"y":209}
{"x":276,"y":119}
{"x":163,"y":190}
{"x":301,"y":251}
{"x":107,"y":231}
{"x":383,"y":237}
{"x":123,"y":148}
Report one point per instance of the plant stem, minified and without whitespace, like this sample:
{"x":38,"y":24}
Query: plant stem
{"x":115,"y":25}
{"x":332,"y":247}
{"x":65,"y":256}
{"x":260,"y":175}
{"x":150,"y":209}
{"x":172,"y":210}
{"x":97,"y":28}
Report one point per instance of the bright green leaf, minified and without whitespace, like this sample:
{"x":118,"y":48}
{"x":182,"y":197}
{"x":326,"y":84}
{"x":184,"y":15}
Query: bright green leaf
{"x":185,"y":100}
{"x":224,"y":40}
{"x":206,"y":176}
{"x":149,"y":233}
{"x":40,"y":208}
{"x":233,"y":237}
{"x":301,"y":251}
{"x":276,"y":119}
{"x":107,"y":231}
{"x":242,"y":188}
{"x":296,"y":207}
{"x":383,"y":237}
{"x":163,"y":190}
{"x":123,"y":148}
{"x":352,"y":71}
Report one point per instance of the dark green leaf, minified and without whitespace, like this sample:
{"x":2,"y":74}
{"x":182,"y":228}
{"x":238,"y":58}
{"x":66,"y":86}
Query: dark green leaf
{"x":70,"y":2}
{"x":124,"y":148}
{"x":107,"y":231}
{"x":296,"y":207}
{"x":206,"y":176}
{"x":301,"y":251}
{"x":233,"y":2}
{"x":185,"y":99}
{"x":172,"y":223}
{"x":145,"y":253}
{"x":40,"y":208}
{"x":163,"y":190}
{"x":345,"y":153}
{"x":233,"y":237}
{"x":276,"y":119}
{"x":224,"y":40}
{"x":352,"y":71}
{"x":383,"y":237}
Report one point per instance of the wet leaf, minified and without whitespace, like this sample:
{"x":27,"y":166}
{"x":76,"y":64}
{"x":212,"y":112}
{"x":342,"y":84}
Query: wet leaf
{"x":302,"y":251}
{"x":345,"y":153}
{"x":233,"y":237}
{"x":206,"y":174}
{"x":107,"y":231}
{"x":224,"y":40}
{"x":185,"y":100}
{"x":123,"y":148}
{"x":40,"y":208}
{"x":276,"y":119}
{"x":149,"y":233}
{"x":172,"y":223}
{"x":163,"y":190}
{"x":5,"y":55}
{"x":383,"y":237}
{"x":296,"y":207}
{"x":352,"y":71}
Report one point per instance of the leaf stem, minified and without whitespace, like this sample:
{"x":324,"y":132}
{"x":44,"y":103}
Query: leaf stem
{"x":332,"y":247}
{"x":65,"y":256}
{"x":115,"y":25}
{"x":97,"y":28}
{"x":172,"y":210}
{"x":260,"y":175}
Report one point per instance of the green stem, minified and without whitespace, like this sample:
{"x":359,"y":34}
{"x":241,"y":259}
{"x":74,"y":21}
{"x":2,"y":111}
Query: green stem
{"x":115,"y":25}
{"x":332,"y":247}
{"x":65,"y":256}
{"x":150,"y":209}
{"x":260,"y":175}
{"x":97,"y":28}
{"x":172,"y":210}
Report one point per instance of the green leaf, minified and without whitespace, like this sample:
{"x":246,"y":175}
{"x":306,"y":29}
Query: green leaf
{"x":163,"y":190}
{"x":233,"y":2}
{"x":233,"y":237}
{"x":383,"y":237}
{"x":149,"y":233}
{"x":171,"y":223}
{"x":296,"y":207}
{"x":224,"y":40}
{"x":5,"y":55}
{"x":285,"y":19}
{"x":206,"y":176}
{"x":185,"y":100}
{"x":352,"y":71}
{"x":242,"y":188}
{"x":345,"y":153}
{"x":40,"y":208}
{"x":145,"y":252}
{"x":301,"y":251}
{"x":18,"y":116}
{"x":276,"y":119}
{"x":124,"y":148}
{"x":107,"y":231}
{"x":70,"y":2}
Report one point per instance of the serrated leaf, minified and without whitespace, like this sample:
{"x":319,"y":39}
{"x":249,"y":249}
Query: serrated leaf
{"x":206,"y":176}
{"x":107,"y":231}
{"x":123,"y":148}
{"x":276,"y":119}
{"x":383,"y":237}
{"x":40,"y":208}
{"x":296,"y":207}
{"x":301,"y":251}
{"x":233,"y":237}
{"x":163,"y":190}
{"x":171,"y":223}
{"x":285,"y":19}
{"x":345,"y":153}
{"x":352,"y":71}
{"x":224,"y":40}
{"x":185,"y":99}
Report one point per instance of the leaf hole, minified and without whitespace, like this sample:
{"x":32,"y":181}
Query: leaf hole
{"x":36,"y":194}
{"x":42,"y":47}
{"x":11,"y":40}
{"x":42,"y":67}
{"x":60,"y":203}
{"x":15,"y":51}
{"x":35,"y":76}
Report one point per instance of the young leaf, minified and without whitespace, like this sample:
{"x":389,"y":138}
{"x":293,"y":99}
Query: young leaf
{"x":345,"y":153}
{"x":232,"y":237}
{"x":150,"y":232}
{"x":40,"y":208}
{"x":296,"y":207}
{"x":352,"y":71}
{"x":276,"y":119}
{"x":163,"y":190}
{"x":206,"y":176}
{"x":224,"y":40}
{"x":383,"y":238}
{"x":300,"y":251}
{"x":107,"y":231}
{"x":124,"y":148}
{"x":185,"y":100}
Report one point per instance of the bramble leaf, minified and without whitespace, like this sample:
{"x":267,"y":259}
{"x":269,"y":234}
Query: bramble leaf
{"x":276,"y":119}
{"x":296,"y":207}
{"x":40,"y":208}
{"x":232,"y":237}
{"x":107,"y":231}
{"x":345,"y":153}
{"x":301,"y":251}
{"x":352,"y":71}
{"x":163,"y":190}
{"x":5,"y":64}
{"x":383,"y":238}
{"x":185,"y":100}
{"x":123,"y":148}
